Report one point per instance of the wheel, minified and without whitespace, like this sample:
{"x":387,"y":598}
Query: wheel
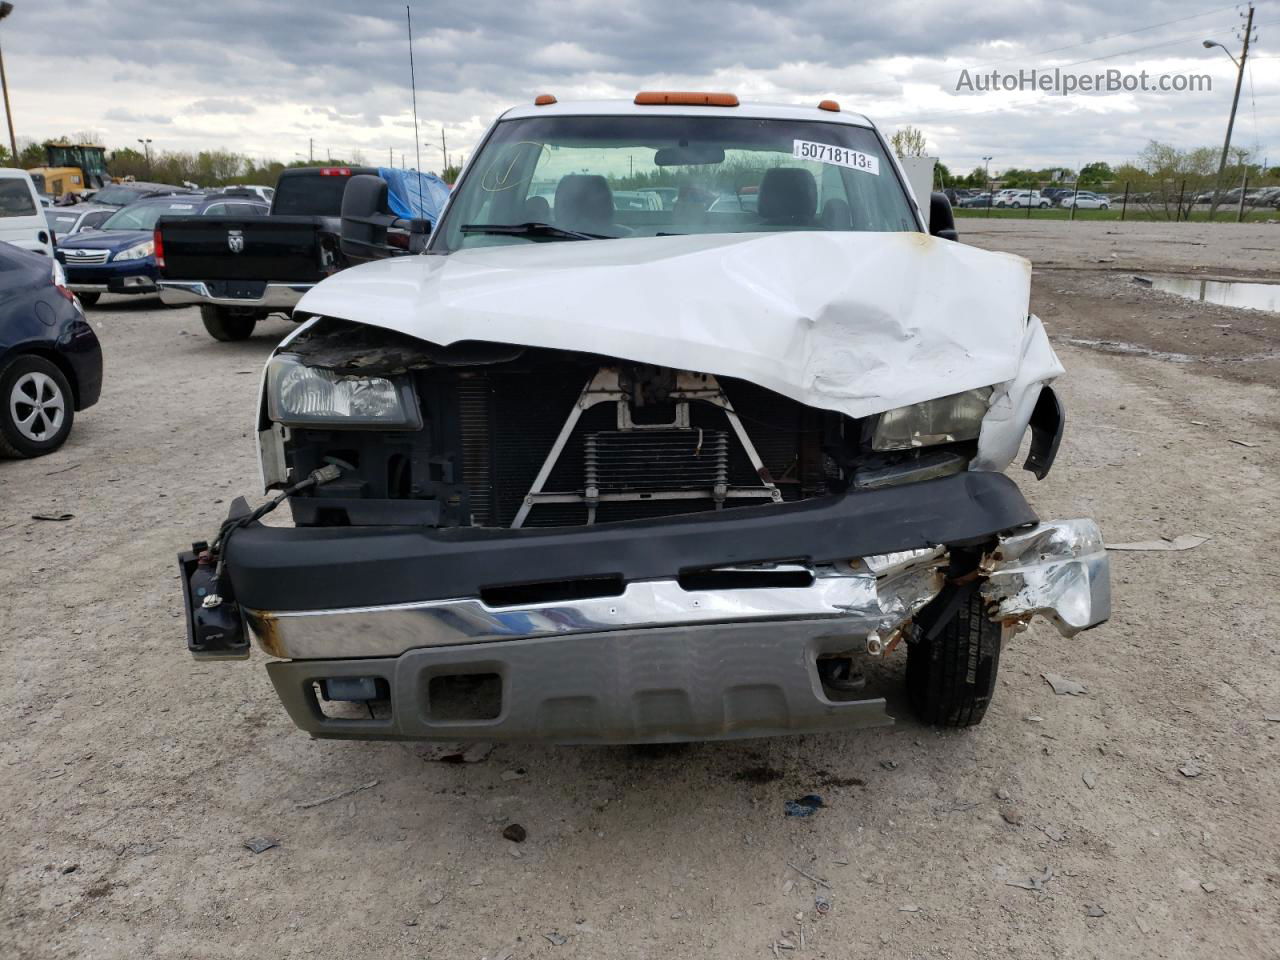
{"x":952,"y":660}
{"x":1016,"y":204}
{"x":88,"y":299}
{"x":225,"y":324}
{"x":1043,"y":205}
{"x":37,"y":407}
{"x":1104,"y":206}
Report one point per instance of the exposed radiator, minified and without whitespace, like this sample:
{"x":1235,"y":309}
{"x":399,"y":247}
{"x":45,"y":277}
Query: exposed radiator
{"x":509,"y":420}
{"x":626,"y":461}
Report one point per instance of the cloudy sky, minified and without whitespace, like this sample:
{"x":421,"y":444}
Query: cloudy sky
{"x":265,"y":77}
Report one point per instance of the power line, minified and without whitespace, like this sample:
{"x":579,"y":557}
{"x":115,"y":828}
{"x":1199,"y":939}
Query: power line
{"x":1127,"y":33}
{"x":904,"y":118}
{"x":1071,"y":46}
{"x":1153,"y":46}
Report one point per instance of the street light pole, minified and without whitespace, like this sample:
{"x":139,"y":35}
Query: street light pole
{"x":1235,"y":102}
{"x":146,"y":150}
{"x":986,"y":175}
{"x":6,"y":8}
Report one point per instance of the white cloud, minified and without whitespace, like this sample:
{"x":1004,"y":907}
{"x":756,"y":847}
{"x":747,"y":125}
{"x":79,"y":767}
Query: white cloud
{"x":257,"y":77}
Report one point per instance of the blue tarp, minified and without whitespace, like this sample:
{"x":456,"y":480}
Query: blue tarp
{"x":414,"y":195}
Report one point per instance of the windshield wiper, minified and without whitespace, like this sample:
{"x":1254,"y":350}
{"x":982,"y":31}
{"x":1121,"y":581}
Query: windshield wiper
{"x":532,"y":229}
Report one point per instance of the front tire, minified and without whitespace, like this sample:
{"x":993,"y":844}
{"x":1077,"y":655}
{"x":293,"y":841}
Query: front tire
{"x":225,"y":324}
{"x":953,"y":659}
{"x":89,"y":299}
{"x":36,"y":407}
{"x":1017,"y":204}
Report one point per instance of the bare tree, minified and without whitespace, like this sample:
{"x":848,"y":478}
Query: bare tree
{"x":909,"y":142}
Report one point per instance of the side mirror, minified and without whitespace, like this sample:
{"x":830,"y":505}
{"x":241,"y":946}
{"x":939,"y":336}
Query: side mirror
{"x":366,"y":216}
{"x":942,"y":221}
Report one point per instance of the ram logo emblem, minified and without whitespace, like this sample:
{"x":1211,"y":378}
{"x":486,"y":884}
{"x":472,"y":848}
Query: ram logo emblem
{"x":235,"y":241}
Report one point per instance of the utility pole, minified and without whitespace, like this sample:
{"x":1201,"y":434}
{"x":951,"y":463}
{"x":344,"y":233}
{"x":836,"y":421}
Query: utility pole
{"x":311,"y":149}
{"x":1235,"y":102}
{"x":986,"y":175}
{"x":6,"y":8}
{"x":444,"y":149}
{"x":146,"y":150}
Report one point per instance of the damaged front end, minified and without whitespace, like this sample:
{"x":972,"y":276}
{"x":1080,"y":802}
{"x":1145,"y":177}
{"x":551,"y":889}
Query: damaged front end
{"x":497,"y":541}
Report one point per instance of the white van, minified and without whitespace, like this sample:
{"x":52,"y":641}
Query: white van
{"x":22,"y":220}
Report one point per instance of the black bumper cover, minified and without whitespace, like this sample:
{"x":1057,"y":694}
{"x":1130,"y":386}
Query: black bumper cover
{"x":288,"y":568}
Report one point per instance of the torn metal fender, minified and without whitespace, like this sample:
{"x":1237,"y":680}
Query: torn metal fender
{"x":1058,"y":570}
{"x":1013,"y":401}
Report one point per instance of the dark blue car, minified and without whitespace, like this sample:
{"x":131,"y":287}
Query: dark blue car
{"x":50,"y":359}
{"x":120,"y":256}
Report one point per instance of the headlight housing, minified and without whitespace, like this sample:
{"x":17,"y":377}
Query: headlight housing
{"x":944,"y":420}
{"x":137,"y":252}
{"x":302,"y":396}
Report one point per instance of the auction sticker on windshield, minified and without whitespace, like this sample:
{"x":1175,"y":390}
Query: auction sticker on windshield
{"x":840,"y":156}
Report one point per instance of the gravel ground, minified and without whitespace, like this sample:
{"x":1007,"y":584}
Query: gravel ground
{"x":132,"y":776}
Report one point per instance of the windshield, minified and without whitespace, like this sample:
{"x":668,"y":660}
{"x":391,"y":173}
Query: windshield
{"x":15,"y":198}
{"x":143,"y":216}
{"x":117,"y":196}
{"x":61,"y":223}
{"x":645,"y":176}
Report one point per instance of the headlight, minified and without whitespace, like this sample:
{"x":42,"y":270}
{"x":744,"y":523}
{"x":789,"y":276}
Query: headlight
{"x":302,"y":396}
{"x":137,"y":252}
{"x":945,"y":420}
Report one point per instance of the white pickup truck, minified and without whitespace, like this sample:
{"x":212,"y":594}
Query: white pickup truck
{"x":689,"y":468}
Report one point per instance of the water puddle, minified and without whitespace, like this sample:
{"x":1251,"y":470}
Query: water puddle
{"x":1226,"y":293}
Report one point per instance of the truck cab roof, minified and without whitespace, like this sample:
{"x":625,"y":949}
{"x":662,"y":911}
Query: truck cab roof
{"x":755,"y":110}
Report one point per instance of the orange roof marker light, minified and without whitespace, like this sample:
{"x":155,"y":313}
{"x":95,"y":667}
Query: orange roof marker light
{"x":829,"y":105}
{"x":543,"y":100}
{"x":663,"y":98}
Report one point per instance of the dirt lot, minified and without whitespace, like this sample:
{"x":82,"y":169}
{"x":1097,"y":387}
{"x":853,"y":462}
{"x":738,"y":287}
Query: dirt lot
{"x":132,"y":776}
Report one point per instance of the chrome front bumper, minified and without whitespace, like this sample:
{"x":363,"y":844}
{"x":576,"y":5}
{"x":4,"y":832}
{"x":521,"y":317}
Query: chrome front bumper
{"x":1058,"y":570}
{"x":276,"y":296}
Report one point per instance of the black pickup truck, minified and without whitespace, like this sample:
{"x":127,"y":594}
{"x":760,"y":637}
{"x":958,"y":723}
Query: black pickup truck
{"x":241,"y":269}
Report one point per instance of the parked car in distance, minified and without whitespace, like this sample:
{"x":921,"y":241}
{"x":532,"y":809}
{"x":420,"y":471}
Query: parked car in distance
{"x":64,"y":221}
{"x":50,"y":358}
{"x":1055,"y":195}
{"x":22,"y":220}
{"x":592,"y":473}
{"x":131,"y":191}
{"x":1021,"y":198}
{"x":1087,"y":200}
{"x":636,"y":200}
{"x":1265,"y":197}
{"x":119,"y":257}
{"x":265,"y":194}
{"x":977,"y":200}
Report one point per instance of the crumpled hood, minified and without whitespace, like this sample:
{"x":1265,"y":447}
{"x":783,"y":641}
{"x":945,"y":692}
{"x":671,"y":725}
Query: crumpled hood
{"x":854,"y":322}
